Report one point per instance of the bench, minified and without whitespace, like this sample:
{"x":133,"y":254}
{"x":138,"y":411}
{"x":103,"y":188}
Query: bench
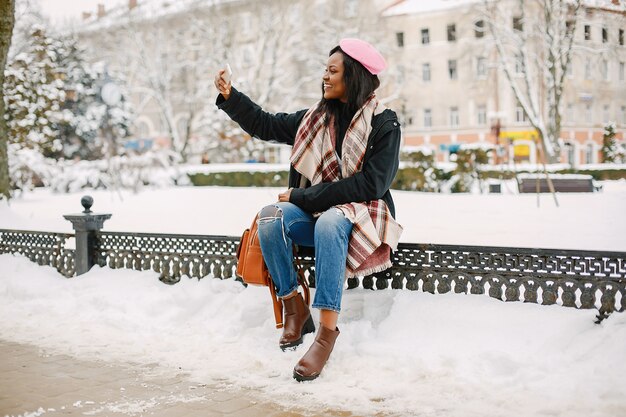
{"x":562,"y":183}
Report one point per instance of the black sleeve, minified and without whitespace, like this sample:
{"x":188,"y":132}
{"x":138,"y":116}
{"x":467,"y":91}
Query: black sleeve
{"x":279,"y":127}
{"x":379,"y":170}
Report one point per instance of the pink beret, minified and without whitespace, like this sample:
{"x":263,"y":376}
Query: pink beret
{"x":365,"y":53}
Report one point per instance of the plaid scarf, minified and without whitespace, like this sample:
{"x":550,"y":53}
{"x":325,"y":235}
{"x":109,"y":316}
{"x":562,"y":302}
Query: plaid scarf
{"x":374,"y":230}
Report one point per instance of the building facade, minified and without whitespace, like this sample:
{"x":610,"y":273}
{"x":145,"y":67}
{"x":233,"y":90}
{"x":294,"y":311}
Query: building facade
{"x":445,"y":79}
{"x":456,"y":91}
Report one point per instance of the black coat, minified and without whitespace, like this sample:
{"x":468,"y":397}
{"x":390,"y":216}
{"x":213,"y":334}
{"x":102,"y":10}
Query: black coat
{"x":380,"y":164}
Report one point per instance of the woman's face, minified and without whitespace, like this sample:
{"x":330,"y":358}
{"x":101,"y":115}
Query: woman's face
{"x":334,"y":87}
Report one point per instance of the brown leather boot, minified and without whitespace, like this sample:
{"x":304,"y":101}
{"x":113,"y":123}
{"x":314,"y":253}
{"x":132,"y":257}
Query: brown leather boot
{"x":312,"y":363}
{"x":298,"y":322}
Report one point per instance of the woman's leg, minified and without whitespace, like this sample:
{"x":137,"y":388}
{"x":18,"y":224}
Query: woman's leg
{"x":332,"y":235}
{"x":280,"y":226}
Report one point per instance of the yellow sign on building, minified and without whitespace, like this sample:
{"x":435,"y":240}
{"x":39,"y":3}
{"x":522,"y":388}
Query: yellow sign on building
{"x":531,"y":135}
{"x":524,"y":136}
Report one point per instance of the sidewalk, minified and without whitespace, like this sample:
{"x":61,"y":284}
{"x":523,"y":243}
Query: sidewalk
{"x":33,"y":383}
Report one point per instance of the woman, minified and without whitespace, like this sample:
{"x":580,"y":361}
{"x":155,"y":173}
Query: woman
{"x":344,"y":158}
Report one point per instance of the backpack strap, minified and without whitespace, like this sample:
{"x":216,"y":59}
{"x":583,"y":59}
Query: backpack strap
{"x":278,"y":306}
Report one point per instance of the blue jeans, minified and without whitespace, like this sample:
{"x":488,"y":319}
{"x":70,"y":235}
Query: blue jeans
{"x":283,"y":224}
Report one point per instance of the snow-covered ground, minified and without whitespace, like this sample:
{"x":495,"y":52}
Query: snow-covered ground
{"x":402,"y":352}
{"x":593,"y":221}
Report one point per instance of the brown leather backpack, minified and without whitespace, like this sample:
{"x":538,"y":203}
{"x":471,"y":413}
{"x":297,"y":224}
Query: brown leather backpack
{"x":252,"y":270}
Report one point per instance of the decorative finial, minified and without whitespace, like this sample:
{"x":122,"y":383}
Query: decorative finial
{"x":87,"y":202}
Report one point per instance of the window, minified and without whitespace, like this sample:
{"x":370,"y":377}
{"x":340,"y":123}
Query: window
{"x":587,"y":32}
{"x":400,"y":39}
{"x":587,"y":69}
{"x":518,"y":24}
{"x":605,"y":70}
{"x":426,"y":72}
{"x":605,"y":35}
{"x":452,"y":69}
{"x":570,"y":113}
{"x":425,"y":37}
{"x":624,"y":115}
{"x":520,"y":114}
{"x":519,"y":64}
{"x":428,"y":118}
{"x":479,"y":28}
{"x":481,"y":67}
{"x":620,"y":74}
{"x":481,"y":113}
{"x":569,"y":71}
{"x":451,"y":33}
{"x":571,"y":153}
{"x":408,"y":119}
{"x":621,"y":37}
{"x":589,"y":152}
{"x":588,"y":114}
{"x":606,"y":110}
{"x":454,"y":116}
{"x":569,"y":27}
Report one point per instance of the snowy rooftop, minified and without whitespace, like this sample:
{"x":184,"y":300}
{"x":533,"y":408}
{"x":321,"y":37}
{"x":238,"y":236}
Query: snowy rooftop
{"x":155,"y":9}
{"x":430,"y":6}
{"x":425,"y":6}
{"x":145,"y":10}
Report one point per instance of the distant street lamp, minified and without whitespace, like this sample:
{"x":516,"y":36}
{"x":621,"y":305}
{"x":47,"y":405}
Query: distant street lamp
{"x":111,"y":95}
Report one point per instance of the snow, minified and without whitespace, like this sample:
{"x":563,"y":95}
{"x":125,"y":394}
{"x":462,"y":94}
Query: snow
{"x":428,"y":6}
{"x":245,"y":167}
{"x":431,"y":6}
{"x":145,"y":10}
{"x":555,"y":176}
{"x":399,"y":352}
{"x":592,"y":221}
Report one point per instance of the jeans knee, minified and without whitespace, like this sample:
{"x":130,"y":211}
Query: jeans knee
{"x":270,"y":223}
{"x":330,"y":223}
{"x":270,"y":214}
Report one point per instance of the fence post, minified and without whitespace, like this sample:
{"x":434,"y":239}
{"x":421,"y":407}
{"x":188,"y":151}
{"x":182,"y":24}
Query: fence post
{"x":86,"y":224}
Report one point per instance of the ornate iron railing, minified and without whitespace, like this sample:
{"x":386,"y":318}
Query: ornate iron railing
{"x":580,"y":279}
{"x":44,"y":248}
{"x":172,"y":256}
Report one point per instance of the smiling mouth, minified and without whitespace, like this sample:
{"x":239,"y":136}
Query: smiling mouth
{"x":326,"y":86}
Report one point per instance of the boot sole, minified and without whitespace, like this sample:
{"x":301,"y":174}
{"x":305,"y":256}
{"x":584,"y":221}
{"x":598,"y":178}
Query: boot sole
{"x":308,"y":327}
{"x":303,"y":378}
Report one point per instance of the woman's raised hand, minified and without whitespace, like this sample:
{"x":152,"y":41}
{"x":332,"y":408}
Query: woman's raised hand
{"x":222,"y":86}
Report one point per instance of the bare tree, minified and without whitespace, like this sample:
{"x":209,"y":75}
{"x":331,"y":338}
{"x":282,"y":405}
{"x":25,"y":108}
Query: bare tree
{"x":7,"y":21}
{"x":534,"y":48}
{"x":277,"y":52}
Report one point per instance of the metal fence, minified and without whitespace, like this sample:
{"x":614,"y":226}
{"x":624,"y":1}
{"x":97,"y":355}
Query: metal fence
{"x":579,"y":279}
{"x":44,"y":248}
